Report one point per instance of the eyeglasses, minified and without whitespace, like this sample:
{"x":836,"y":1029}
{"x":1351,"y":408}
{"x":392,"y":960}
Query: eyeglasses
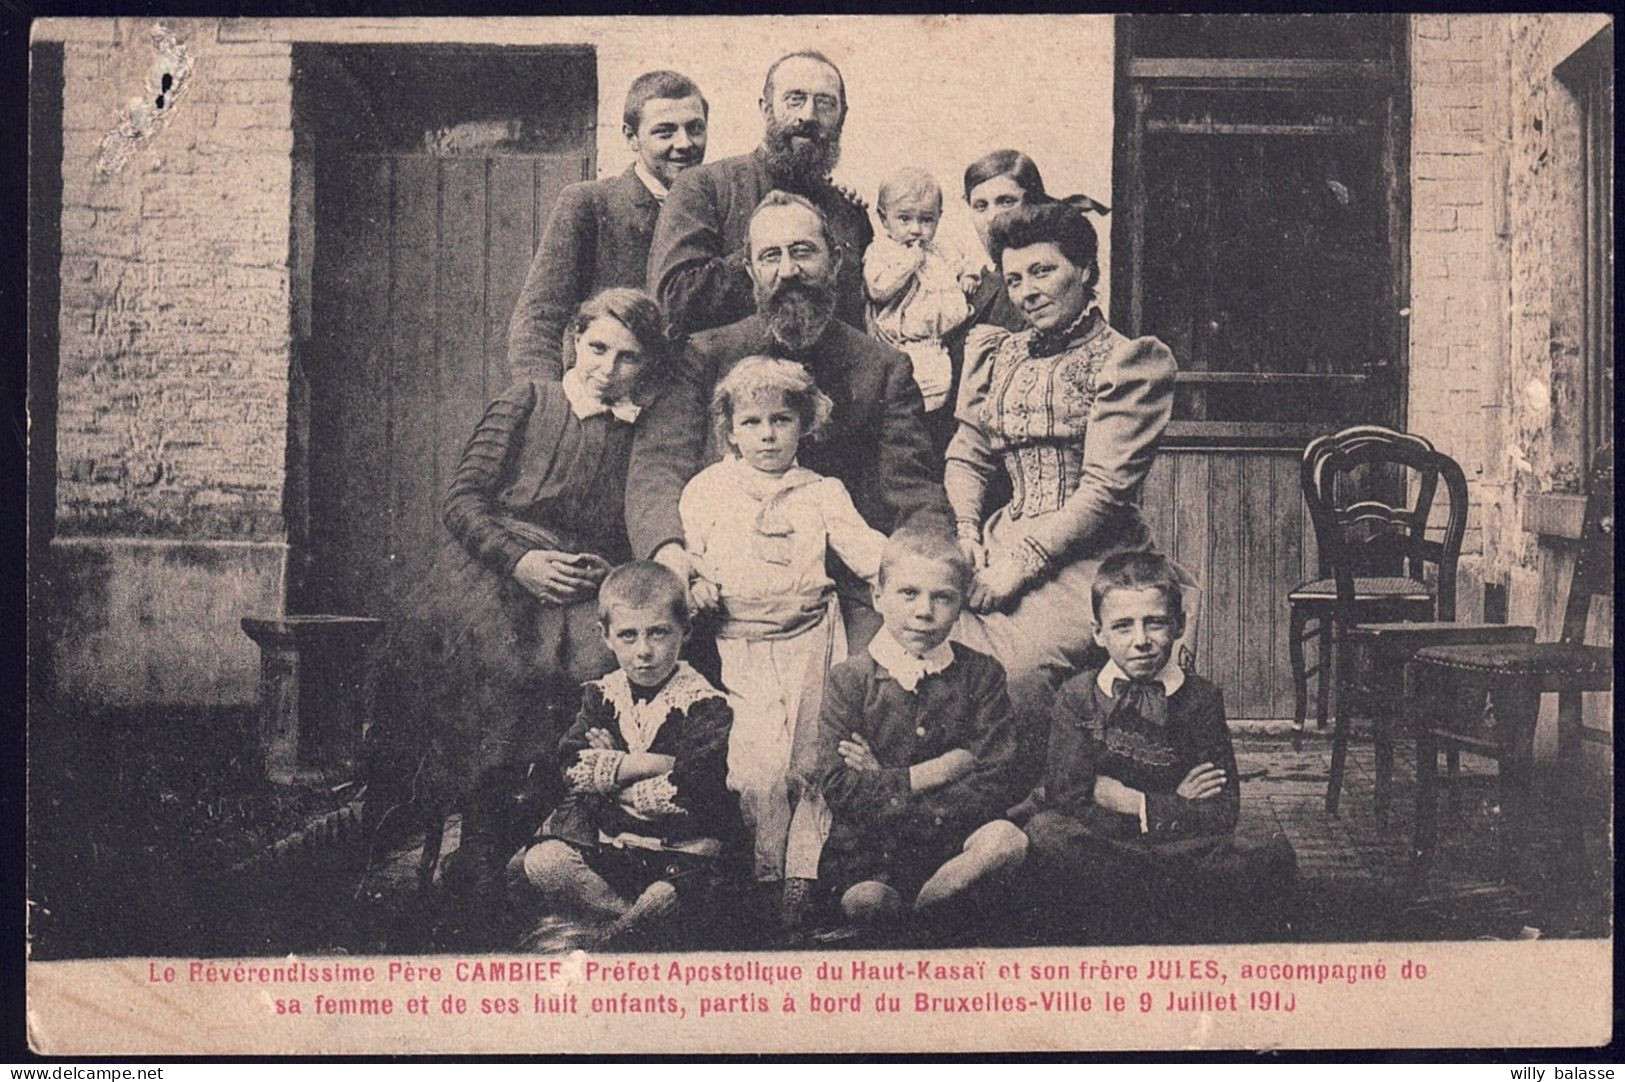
{"x":822,"y":103}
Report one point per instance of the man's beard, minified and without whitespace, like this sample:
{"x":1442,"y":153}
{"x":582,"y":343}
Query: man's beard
{"x":805,"y":164}
{"x":796,"y":312}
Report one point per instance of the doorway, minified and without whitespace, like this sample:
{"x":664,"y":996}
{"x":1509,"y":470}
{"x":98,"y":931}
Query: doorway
{"x":423,"y":178}
{"x":45,"y":89}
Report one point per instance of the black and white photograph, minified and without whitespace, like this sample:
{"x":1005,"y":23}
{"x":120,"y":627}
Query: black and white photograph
{"x":805,"y":488}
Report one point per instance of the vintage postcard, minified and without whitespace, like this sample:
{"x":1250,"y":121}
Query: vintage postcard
{"x":964,"y":533}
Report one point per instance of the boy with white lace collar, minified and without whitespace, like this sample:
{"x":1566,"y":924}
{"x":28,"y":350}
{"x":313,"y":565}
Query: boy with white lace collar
{"x":917,"y":745}
{"x":645,"y":764}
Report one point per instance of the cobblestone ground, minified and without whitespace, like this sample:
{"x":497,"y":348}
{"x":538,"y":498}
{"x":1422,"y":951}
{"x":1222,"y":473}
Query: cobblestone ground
{"x":1355,"y":870}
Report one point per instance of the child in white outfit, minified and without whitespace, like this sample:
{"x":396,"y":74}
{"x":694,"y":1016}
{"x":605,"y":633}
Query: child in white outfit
{"x":916,"y":291}
{"x":759,"y":528}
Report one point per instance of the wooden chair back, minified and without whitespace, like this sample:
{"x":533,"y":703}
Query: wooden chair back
{"x":1362,"y":531}
{"x":1594,"y":564}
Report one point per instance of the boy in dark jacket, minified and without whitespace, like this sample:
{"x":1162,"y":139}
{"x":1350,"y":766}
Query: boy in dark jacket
{"x":645,"y":765}
{"x":1140,"y":794}
{"x":916,"y":746}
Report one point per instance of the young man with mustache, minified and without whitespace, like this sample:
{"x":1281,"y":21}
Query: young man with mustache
{"x":698,"y":260}
{"x":876,"y":442}
{"x":598,"y":234}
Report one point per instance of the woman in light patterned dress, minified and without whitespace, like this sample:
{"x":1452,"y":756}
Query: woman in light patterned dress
{"x":1071,"y":412}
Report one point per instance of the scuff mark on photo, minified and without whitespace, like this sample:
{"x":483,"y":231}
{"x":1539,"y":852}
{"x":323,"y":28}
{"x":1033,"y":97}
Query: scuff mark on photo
{"x":142,"y":118}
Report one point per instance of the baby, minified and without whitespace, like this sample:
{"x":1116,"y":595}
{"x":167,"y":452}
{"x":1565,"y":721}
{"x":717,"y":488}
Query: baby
{"x":916,"y":292}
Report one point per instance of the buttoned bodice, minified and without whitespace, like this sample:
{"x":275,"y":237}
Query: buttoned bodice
{"x":1036,"y":413}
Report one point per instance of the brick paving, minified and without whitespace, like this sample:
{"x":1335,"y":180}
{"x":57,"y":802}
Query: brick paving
{"x":1355,"y":870}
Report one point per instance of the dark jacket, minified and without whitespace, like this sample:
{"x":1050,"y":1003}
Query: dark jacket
{"x":697,"y":261}
{"x":964,"y":706}
{"x":1089,"y":740}
{"x":875,"y":444}
{"x":532,"y":463}
{"x":696,"y":737}
{"x":990,"y":303}
{"x":597,"y":237}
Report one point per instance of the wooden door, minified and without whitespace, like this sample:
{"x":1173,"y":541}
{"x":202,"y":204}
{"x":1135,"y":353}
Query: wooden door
{"x":422,"y":241}
{"x":1260,"y":234}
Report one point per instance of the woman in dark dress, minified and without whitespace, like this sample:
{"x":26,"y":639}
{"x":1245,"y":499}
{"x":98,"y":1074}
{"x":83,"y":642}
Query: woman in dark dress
{"x":994,"y":183}
{"x":490,"y":674}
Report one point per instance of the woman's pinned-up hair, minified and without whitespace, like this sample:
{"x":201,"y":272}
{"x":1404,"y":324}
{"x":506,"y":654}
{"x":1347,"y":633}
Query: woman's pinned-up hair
{"x":1005,"y":163}
{"x":1059,"y":223}
{"x":759,"y":375}
{"x":633,"y":309}
{"x":1024,"y":171}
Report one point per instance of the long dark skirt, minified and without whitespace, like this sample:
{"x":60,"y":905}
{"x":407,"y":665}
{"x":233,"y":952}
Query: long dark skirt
{"x":478,"y":685}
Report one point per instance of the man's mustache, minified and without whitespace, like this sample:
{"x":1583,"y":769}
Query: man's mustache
{"x":797,"y":287}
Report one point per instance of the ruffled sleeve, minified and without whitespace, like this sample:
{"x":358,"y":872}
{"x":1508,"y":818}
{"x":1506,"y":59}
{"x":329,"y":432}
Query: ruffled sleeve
{"x":982,"y":344}
{"x":1134,"y":398}
{"x":971,"y":463}
{"x":588,"y":769}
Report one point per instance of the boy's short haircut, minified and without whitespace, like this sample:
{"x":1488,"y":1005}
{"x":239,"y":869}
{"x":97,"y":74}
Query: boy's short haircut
{"x":1138,"y":571}
{"x":642,"y":584}
{"x":928,"y":540}
{"x":908,"y":182}
{"x":665,"y":85}
{"x":757,"y":374}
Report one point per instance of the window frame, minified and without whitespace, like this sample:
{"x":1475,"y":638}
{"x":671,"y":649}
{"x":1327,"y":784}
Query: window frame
{"x":1137,"y":78}
{"x":1588,"y":75}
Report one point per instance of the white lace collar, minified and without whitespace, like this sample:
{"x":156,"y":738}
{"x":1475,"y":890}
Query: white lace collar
{"x":584,"y":404}
{"x":907,"y":668}
{"x":641,"y":721}
{"x":1171,"y":677}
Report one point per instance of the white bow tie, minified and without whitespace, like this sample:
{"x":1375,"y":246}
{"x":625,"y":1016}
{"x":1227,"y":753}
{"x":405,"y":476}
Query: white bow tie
{"x":584,"y":404}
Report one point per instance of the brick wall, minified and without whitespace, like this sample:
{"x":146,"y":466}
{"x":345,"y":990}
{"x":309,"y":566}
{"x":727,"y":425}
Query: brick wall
{"x":1497,"y":264}
{"x":1495,"y":267}
{"x":175,"y":309}
{"x":1455,"y":252}
{"x":173,"y":376}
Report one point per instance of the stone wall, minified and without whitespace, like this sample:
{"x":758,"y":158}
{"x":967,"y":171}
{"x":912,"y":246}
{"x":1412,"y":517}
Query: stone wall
{"x":1497,"y":264}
